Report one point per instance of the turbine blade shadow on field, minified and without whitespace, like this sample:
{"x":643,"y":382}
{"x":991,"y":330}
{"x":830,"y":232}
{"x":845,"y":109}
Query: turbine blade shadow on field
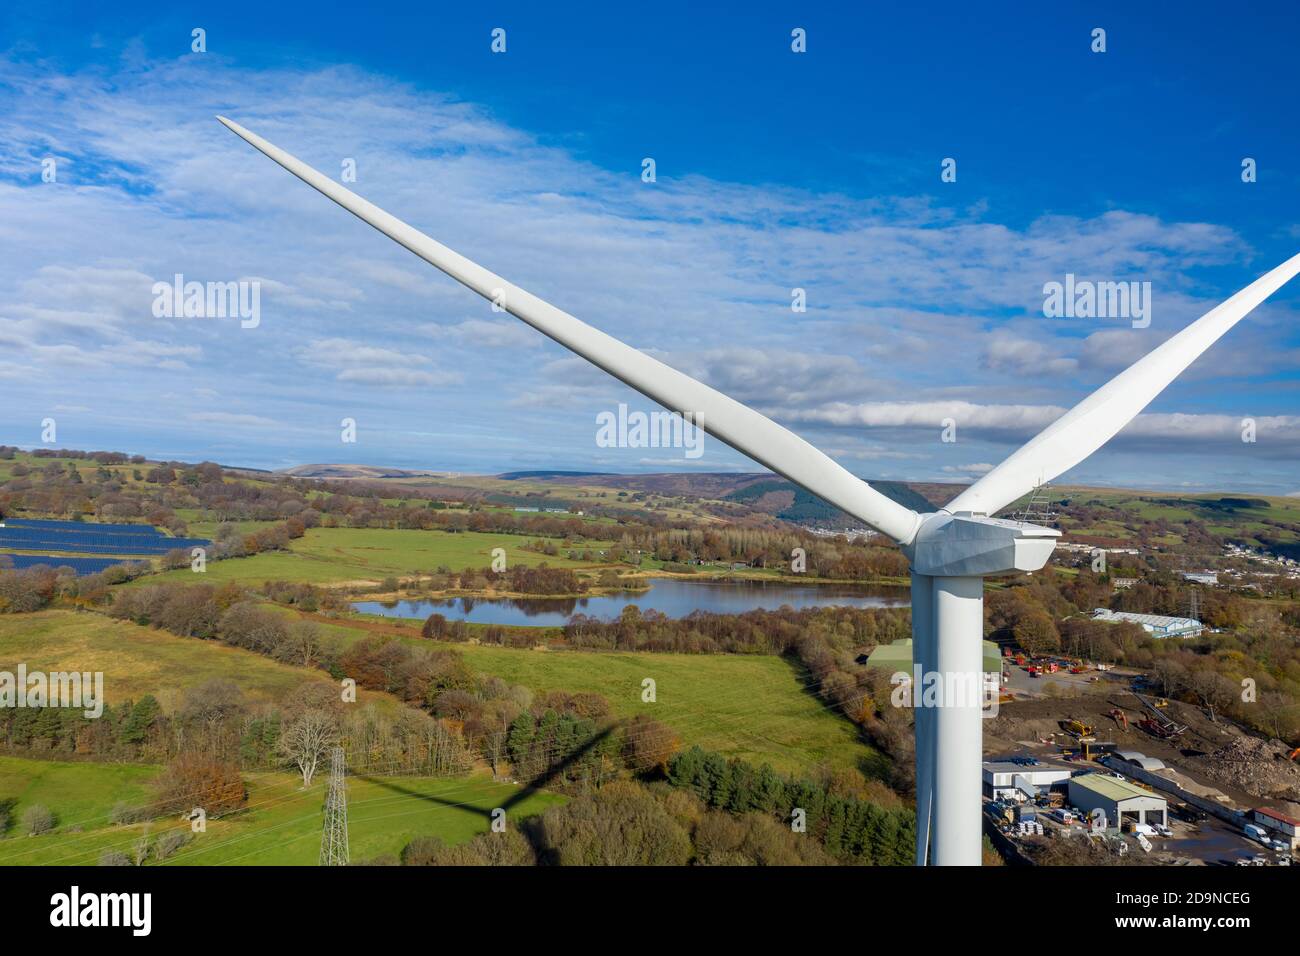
{"x":534,"y":786}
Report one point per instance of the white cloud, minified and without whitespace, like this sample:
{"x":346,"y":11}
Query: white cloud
{"x":488,"y":334}
{"x":233,"y":418}
{"x":1009,"y":419}
{"x":361,"y":364}
{"x":397,"y":377}
{"x":1275,"y":434}
{"x":1019,"y":356}
{"x":915,"y":312}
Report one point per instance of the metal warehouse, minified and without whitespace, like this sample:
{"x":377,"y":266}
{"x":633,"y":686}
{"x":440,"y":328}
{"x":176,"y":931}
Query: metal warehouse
{"x":1121,"y":801}
{"x":1157,"y":625}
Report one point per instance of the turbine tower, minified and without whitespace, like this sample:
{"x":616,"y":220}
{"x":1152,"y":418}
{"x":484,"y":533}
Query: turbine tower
{"x":951,"y":551}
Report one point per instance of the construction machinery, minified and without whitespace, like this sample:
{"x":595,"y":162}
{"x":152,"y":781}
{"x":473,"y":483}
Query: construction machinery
{"x":1120,"y":718}
{"x":1077,"y":727}
{"x":1000,"y":812}
{"x":1159,"y":724}
{"x":1089,"y":749}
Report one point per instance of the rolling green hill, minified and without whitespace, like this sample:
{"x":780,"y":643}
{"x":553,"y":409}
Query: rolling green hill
{"x":139,"y":660}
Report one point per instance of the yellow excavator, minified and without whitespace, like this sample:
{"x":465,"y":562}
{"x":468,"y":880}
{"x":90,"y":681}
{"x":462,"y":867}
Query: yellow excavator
{"x":1077,"y":727}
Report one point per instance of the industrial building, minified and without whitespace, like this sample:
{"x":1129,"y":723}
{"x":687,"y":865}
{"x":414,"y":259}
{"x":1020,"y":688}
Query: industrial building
{"x":1157,"y":625}
{"x":1201,"y":577}
{"x":1121,"y":801}
{"x":1278,"y":825}
{"x":1004,"y":780}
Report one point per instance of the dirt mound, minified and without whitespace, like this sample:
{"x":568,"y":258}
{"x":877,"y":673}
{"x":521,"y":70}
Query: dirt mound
{"x":1258,"y":767}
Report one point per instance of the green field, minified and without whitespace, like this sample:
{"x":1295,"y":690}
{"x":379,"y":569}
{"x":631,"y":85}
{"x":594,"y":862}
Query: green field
{"x":368,"y":555}
{"x":75,"y":792}
{"x":140,"y":660}
{"x":755,"y":707}
{"x":752,"y":707}
{"x":280,"y":826}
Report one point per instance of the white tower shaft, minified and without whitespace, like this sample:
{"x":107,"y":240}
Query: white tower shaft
{"x":923,"y":662}
{"x":958,"y":731}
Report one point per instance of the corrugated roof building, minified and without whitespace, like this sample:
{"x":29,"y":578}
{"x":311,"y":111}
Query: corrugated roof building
{"x":1157,"y":625}
{"x":1122,"y":802}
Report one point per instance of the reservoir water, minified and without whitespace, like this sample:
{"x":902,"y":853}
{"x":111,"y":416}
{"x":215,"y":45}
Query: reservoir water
{"x":673,"y":597}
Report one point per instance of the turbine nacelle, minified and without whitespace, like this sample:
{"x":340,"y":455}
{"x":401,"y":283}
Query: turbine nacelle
{"x":972,"y":545}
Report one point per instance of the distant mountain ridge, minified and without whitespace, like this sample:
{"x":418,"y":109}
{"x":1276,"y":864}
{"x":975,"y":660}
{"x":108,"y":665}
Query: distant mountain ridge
{"x":762,"y":491}
{"x":357,"y":471}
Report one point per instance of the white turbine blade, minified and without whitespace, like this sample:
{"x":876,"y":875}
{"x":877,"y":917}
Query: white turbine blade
{"x":726,"y":419}
{"x":1099,"y":417}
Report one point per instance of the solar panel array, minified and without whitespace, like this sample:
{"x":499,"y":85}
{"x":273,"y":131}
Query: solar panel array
{"x":50,"y":524}
{"x":82,"y":566}
{"x":54,"y":538}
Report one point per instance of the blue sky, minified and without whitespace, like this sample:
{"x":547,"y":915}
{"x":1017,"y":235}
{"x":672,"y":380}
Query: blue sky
{"x":775,"y":170}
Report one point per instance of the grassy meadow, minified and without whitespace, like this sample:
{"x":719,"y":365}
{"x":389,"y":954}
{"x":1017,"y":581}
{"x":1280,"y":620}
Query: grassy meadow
{"x":332,"y":556}
{"x":756,"y":707}
{"x":281,"y":824}
{"x":139,"y":660}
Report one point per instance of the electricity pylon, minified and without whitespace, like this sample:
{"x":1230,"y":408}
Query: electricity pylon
{"x":334,"y":837}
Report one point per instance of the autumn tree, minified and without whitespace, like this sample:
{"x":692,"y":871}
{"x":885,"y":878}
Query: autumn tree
{"x":310,"y":729}
{"x":648,"y":744}
{"x":198,"y":780}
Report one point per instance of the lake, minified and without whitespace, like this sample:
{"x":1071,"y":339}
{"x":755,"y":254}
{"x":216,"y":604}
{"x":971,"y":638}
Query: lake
{"x":674,"y":597}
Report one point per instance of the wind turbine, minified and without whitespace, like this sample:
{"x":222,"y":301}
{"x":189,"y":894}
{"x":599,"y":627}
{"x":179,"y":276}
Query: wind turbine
{"x":951,"y":551}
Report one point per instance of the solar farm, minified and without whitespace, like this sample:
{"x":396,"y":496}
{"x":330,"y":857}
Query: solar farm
{"x":86,"y":547}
